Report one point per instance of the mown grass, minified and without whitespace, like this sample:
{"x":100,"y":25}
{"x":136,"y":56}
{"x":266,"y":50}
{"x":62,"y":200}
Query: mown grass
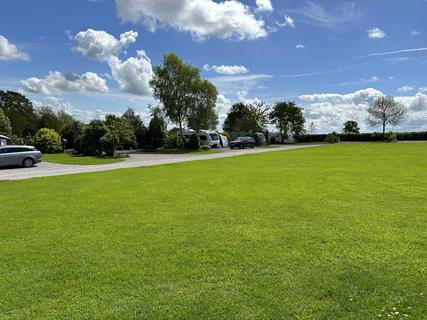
{"x":68,"y":158}
{"x":334,"y":232}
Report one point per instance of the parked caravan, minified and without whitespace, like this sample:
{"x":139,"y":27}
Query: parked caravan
{"x":207,"y":138}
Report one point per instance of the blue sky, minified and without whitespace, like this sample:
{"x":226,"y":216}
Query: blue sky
{"x":332,"y":57}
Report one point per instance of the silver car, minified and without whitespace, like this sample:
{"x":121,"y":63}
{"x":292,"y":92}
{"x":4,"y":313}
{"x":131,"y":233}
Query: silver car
{"x":25,"y":156}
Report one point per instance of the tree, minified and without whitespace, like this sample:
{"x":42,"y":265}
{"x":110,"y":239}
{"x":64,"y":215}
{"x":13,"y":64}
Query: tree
{"x":236,"y":120}
{"x":109,"y":142}
{"x":174,"y":84}
{"x":202,"y":115}
{"x":5,"y":127}
{"x":47,"y":118}
{"x":257,"y":117}
{"x":157,"y":130}
{"x":71,"y":132}
{"x":122,"y":129}
{"x":89,"y":142}
{"x":48,"y":141}
{"x":385,"y":111}
{"x":130,"y":117}
{"x":288,"y":118}
{"x":351,"y":127}
{"x":20,"y":112}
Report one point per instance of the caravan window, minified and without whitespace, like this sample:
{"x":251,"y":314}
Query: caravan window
{"x":203,"y":138}
{"x":214,"y":136}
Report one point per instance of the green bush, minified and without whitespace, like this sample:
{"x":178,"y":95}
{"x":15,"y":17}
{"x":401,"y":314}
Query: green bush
{"x":333,"y":138}
{"x":48,"y":141}
{"x":172,"y":140}
{"x":109,"y":142}
{"x":89,"y":143}
{"x":390,"y":137}
{"x":193,"y":142}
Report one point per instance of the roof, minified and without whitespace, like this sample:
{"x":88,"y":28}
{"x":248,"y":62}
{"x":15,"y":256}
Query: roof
{"x":4,"y":137}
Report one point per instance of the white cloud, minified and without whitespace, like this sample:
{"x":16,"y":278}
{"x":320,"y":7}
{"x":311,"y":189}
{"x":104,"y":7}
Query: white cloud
{"x":57,"y":83}
{"x":264,"y":5}
{"x":134,"y":74}
{"x":100,"y":45}
{"x":394,"y":52}
{"x":202,"y":18}
{"x":300,"y":46}
{"x":288,"y":22}
{"x":9,"y":51}
{"x":230,"y":84}
{"x":223,"y":105}
{"x":334,"y":18}
{"x":406,"y":88}
{"x":330,"y":111}
{"x":376,"y":33}
{"x":423,"y":89}
{"x":227,"y":70}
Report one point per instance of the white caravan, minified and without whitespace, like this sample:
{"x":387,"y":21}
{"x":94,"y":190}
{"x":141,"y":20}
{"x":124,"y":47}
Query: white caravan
{"x":207,"y":138}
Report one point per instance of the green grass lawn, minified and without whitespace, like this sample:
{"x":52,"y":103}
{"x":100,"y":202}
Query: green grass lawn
{"x":187,"y":151}
{"x":68,"y":158}
{"x":334,"y":232}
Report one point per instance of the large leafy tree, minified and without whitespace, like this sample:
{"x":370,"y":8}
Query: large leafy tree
{"x":202,"y":114}
{"x":5,"y":127}
{"x":288,"y":118}
{"x":122,"y":129}
{"x":351,"y":127}
{"x":237,"y":117}
{"x":20,"y":112}
{"x":70,"y":132}
{"x":47,"y":118}
{"x":385,"y":111}
{"x":174,"y":85}
{"x":257,"y":117}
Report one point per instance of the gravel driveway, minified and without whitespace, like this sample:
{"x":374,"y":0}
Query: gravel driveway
{"x":46,"y":169}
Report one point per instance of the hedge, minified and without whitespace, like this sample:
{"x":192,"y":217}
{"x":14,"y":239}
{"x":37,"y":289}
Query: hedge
{"x":363,"y":137}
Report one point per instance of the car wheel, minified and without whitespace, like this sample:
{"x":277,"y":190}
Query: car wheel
{"x":28,"y":163}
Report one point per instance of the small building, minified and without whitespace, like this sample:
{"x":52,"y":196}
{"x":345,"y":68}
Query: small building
{"x":4,"y":140}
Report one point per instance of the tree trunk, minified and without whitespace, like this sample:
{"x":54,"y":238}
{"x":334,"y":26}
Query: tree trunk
{"x":383,"y":130}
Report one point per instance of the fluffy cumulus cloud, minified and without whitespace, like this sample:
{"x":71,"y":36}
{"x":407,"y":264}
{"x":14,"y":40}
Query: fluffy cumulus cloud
{"x":376,"y":33}
{"x":202,"y":18}
{"x":57,"y":83}
{"x":223,"y":105}
{"x":100,"y":45}
{"x":132,"y":75}
{"x":9,"y":51}
{"x":264,"y":5}
{"x":330,"y":111}
{"x":226,"y":70}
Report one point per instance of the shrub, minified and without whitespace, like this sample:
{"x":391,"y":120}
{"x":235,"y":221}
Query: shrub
{"x":71,"y":132}
{"x":172,"y":140}
{"x":332,"y":138}
{"x":390,"y":137}
{"x":48,"y":141}
{"x":109,"y":142}
{"x":193,"y":142}
{"x":89,"y":143}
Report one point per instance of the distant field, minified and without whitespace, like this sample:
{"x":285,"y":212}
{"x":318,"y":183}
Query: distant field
{"x":67,"y":158}
{"x":337,"y":232}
